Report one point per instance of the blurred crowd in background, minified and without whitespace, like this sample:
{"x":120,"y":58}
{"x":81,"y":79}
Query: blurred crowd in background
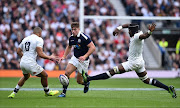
{"x":154,"y":8}
{"x":19,"y":17}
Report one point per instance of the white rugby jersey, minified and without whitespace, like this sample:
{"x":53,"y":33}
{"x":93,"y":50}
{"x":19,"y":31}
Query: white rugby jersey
{"x":28,"y":46}
{"x":136,"y":47}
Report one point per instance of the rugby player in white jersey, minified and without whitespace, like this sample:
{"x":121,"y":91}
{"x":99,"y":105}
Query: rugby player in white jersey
{"x":135,"y":60}
{"x":28,"y":50}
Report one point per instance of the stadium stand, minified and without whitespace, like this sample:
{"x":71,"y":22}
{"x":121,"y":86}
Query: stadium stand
{"x":154,"y":8}
{"x":18,"y":18}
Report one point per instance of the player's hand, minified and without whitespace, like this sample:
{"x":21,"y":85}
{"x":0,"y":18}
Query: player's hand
{"x":62,"y":58}
{"x":54,"y":58}
{"x":82,"y":58}
{"x":116,"y":32}
{"x":152,"y":27}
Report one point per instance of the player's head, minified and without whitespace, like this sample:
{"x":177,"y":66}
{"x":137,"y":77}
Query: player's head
{"x":37,"y":31}
{"x":75,"y":28}
{"x":133,"y":28}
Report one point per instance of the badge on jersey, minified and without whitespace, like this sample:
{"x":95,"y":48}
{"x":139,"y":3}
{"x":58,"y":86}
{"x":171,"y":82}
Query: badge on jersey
{"x":79,"y":40}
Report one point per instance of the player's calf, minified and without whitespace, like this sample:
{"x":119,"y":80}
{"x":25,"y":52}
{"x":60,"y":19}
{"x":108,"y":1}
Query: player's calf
{"x":153,"y":82}
{"x":157,"y":83}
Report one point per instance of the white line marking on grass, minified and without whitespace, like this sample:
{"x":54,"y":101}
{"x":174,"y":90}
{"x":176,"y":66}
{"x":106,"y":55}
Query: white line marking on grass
{"x":96,"y":89}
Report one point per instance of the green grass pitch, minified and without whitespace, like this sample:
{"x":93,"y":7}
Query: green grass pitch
{"x":92,"y":99}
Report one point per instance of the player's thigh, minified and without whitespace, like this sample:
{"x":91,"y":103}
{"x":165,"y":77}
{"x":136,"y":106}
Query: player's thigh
{"x":24,"y":67}
{"x":140,"y":70}
{"x":25,"y":72}
{"x":126,"y":66}
{"x":31,"y":67}
{"x":36,"y":69}
{"x":83,"y":66}
{"x":140,"y":67}
{"x":70,"y":69}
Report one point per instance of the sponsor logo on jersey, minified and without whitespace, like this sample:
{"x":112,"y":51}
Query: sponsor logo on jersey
{"x":78,"y":46}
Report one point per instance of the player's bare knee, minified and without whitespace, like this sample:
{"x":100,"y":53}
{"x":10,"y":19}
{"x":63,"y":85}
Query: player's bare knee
{"x":26,"y":77}
{"x":45,"y":75}
{"x":145,"y":79}
{"x":115,"y":70}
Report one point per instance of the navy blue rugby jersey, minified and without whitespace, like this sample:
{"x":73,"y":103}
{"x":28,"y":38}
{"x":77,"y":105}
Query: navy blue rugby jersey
{"x":80,"y":44}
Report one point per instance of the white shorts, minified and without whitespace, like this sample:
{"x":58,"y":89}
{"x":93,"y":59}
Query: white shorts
{"x":80,"y":66}
{"x":30,"y":67}
{"x":137,"y":65}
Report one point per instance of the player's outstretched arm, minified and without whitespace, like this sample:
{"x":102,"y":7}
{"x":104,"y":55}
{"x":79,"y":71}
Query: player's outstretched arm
{"x":19,"y":52}
{"x":118,"y":29}
{"x":147,"y":34}
{"x":43,"y":55}
{"x":67,"y":50}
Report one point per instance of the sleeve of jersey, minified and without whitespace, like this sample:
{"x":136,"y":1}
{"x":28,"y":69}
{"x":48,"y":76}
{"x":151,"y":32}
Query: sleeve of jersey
{"x":136,"y":36}
{"x":21,"y":45}
{"x":70,"y":44}
{"x":40,"y":43}
{"x":87,"y":41}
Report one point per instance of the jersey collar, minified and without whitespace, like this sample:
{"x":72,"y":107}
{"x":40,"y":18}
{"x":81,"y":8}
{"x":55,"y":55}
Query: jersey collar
{"x":79,"y":34}
{"x":35,"y":35}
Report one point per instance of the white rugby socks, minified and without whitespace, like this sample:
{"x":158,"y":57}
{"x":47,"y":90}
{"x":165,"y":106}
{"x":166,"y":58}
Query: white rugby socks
{"x":16,"y":89}
{"x":46,"y":89}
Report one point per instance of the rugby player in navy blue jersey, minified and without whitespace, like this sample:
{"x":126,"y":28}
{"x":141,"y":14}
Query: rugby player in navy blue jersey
{"x":83,"y":48}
